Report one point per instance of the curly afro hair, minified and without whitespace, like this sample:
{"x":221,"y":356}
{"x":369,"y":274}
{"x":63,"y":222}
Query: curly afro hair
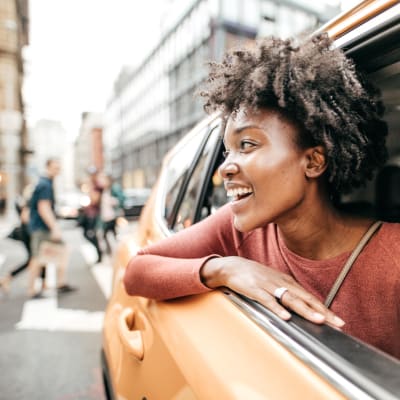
{"x":316,"y":86}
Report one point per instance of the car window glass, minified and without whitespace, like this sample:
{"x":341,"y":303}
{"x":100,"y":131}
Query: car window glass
{"x":216,"y":194}
{"x":386,"y":189}
{"x":177,"y":171}
{"x":187,"y":209}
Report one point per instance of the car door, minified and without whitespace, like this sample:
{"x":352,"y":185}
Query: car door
{"x":141,"y":357}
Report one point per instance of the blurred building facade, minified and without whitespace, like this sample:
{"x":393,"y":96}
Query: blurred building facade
{"x":89,"y":147}
{"x":153,"y":105}
{"x":14,"y":35}
{"x":50,"y":140}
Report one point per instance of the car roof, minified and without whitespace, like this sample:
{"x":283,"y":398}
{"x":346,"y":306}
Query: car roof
{"x":355,"y":17}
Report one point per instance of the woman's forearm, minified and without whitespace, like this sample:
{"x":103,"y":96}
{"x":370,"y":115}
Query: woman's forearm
{"x":162,"y":278}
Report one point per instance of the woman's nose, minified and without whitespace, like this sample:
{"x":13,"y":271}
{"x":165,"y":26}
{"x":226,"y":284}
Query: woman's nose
{"x":228,"y":168}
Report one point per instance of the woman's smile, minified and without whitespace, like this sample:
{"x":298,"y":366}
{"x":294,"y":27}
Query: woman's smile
{"x":239,"y":193}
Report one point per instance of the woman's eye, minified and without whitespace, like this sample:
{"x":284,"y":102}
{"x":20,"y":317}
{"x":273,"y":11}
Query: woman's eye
{"x":246,"y":145}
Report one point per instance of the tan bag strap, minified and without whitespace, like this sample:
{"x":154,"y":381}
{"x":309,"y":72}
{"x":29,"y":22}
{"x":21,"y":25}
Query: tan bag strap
{"x":350,"y":261}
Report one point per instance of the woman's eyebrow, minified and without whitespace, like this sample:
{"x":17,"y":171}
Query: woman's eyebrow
{"x":240,"y":129}
{"x":244,"y":127}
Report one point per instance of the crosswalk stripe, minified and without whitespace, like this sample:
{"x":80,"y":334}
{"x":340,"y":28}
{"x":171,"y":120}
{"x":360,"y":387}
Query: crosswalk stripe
{"x":2,"y":259}
{"x":102,"y":272}
{"x":89,"y":253}
{"x":103,"y":275}
{"x":44,"y":314}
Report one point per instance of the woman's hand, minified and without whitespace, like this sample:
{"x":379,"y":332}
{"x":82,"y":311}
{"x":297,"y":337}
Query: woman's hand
{"x":258,"y":282}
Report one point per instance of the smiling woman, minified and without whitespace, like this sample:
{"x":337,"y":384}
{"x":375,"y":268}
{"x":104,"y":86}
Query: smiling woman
{"x":301,"y":127}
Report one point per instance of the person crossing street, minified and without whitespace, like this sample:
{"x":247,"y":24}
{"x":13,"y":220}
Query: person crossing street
{"x":44,"y":228}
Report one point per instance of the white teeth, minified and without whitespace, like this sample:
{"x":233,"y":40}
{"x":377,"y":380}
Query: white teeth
{"x":238,"y":192}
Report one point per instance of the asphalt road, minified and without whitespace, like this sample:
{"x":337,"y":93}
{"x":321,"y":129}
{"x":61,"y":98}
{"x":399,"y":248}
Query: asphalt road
{"x":50,"y":348}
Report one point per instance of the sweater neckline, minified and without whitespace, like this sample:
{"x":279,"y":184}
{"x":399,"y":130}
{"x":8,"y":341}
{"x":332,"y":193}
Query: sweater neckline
{"x":293,"y":258}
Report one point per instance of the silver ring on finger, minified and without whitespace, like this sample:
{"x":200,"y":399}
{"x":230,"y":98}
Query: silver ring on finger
{"x":279,"y":292}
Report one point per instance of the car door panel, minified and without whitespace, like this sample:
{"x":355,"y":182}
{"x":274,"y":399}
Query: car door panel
{"x":151,"y":375}
{"x":195,"y":346}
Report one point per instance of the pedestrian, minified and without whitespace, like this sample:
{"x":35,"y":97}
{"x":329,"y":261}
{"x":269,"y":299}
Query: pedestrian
{"x":301,"y":127}
{"x":22,"y":233}
{"x":109,"y":211}
{"x":117,"y":191}
{"x":45,"y":228}
{"x":90,"y":218}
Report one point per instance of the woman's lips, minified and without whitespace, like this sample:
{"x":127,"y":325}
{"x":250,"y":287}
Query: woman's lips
{"x":241,"y":196}
{"x":238,"y":203}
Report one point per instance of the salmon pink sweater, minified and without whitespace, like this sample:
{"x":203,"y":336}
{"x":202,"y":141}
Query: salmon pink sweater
{"x":368,"y":301}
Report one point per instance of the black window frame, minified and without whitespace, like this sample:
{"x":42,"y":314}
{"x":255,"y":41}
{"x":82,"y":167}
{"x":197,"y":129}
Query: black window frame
{"x":205,"y":176}
{"x":183,"y":188}
{"x":214,"y":156}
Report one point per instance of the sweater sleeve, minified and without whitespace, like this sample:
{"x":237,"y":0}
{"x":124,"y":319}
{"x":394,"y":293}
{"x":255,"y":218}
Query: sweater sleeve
{"x":170,"y":268}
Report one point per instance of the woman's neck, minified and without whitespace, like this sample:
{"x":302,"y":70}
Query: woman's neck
{"x":322,"y":232}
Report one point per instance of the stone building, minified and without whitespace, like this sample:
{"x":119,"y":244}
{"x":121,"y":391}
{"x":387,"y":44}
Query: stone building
{"x":89,"y":147}
{"x":13,"y":134}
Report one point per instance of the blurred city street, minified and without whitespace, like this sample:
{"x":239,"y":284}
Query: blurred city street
{"x":51,"y":346}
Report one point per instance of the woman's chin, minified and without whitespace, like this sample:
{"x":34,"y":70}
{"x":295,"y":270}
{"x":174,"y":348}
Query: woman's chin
{"x":242,"y":224}
{"x":247,"y":224}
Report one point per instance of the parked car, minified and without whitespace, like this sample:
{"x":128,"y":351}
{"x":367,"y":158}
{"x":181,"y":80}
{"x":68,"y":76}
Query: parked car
{"x":134,"y":201}
{"x":221,"y":345}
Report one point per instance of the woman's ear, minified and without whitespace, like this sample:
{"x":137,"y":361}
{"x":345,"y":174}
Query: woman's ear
{"x":316,"y":162}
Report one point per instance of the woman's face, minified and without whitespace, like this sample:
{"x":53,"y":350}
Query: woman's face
{"x":264,"y":170}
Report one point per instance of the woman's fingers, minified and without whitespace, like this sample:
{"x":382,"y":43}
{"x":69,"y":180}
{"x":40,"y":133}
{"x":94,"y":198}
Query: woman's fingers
{"x":306,"y":304}
{"x":277,"y":291}
{"x":301,"y":302}
{"x":302,"y":308}
{"x":289,"y":301}
{"x":270,"y":302}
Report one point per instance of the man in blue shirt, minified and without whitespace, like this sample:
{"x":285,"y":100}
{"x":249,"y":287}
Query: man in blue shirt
{"x":44,"y":227}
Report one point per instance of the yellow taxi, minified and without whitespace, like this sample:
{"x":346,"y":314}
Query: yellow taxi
{"x":221,"y":345}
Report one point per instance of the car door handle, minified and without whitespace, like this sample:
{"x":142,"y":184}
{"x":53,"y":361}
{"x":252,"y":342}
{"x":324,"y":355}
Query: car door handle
{"x":131,"y":338}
